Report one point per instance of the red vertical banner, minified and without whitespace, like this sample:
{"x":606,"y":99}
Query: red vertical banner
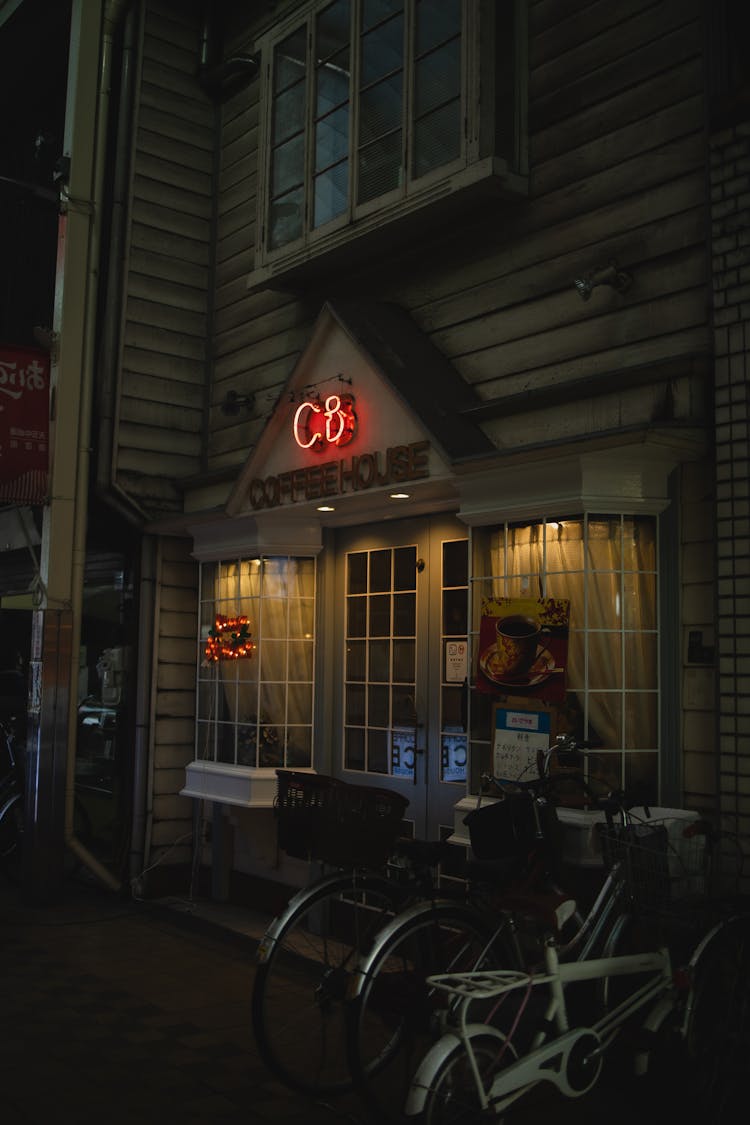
{"x":24,"y":425}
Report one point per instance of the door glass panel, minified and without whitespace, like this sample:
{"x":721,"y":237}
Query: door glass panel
{"x":357,"y":573}
{"x":380,"y":571}
{"x":454,"y":646}
{"x":380,"y":615}
{"x":405,"y":568}
{"x":404,"y":614}
{"x":380,"y":661}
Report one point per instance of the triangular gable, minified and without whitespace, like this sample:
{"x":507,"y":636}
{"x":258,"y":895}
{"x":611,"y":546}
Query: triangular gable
{"x":406,"y":398}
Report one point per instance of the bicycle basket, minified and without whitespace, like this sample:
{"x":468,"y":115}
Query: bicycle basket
{"x":506,"y":828}
{"x":322,"y":818}
{"x":658,"y":870}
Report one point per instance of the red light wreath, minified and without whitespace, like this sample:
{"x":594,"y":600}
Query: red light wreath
{"x":320,"y":423}
{"x":229,"y":639}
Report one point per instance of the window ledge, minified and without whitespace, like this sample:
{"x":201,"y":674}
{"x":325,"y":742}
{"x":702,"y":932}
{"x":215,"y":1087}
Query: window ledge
{"x":375,"y":234}
{"x":230,"y":785}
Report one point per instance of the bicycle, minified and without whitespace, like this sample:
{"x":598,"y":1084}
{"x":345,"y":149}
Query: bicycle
{"x":512,"y":897}
{"x":13,"y":813}
{"x":307,"y":953}
{"x":478,"y":1070}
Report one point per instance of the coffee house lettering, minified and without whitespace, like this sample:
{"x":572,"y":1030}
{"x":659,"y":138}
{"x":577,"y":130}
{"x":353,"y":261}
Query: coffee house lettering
{"x":399,"y":463}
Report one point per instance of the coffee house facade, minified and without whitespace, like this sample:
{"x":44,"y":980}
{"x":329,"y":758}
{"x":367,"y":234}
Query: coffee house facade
{"x":412,"y":317}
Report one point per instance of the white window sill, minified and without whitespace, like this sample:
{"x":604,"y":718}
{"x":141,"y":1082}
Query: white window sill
{"x":230,"y":785}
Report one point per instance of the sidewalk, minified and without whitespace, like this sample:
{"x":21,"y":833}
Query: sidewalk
{"x":125,"y":1011}
{"x":128,"y":1012}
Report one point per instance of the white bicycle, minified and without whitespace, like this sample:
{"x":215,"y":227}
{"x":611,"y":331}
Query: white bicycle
{"x":479,"y":1070}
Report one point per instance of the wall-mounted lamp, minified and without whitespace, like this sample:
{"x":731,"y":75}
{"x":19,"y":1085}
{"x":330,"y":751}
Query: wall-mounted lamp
{"x":233,"y":403}
{"x":609,"y":275}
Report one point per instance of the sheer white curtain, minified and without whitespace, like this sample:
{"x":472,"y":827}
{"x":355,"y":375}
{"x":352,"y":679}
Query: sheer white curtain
{"x":268,"y":695}
{"x":605,"y":566}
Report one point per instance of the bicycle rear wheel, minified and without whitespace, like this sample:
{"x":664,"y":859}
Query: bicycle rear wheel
{"x":11,"y":838}
{"x":394,"y":1015}
{"x":305,"y":961}
{"x":453,"y":1097}
{"x":718,"y":1038}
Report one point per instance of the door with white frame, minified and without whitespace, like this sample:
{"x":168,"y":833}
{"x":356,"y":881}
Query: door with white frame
{"x":400,"y":664}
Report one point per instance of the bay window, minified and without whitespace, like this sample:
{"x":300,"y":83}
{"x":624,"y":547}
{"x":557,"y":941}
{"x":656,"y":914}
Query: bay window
{"x":371,"y":110}
{"x":606,"y":567}
{"x":255,"y":662}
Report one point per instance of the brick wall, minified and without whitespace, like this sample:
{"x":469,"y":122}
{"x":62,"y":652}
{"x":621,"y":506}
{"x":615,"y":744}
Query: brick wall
{"x":730,"y":220}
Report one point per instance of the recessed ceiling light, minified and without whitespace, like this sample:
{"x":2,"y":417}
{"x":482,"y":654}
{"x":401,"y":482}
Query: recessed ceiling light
{"x":325,"y":508}
{"x":399,"y":496}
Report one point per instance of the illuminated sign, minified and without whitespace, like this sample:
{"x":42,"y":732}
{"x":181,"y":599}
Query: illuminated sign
{"x":228,"y":640}
{"x":24,"y":425}
{"x":318,"y":424}
{"x":396,"y":465}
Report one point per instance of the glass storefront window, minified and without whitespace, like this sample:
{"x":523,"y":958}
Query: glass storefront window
{"x":255,"y":707}
{"x":605,"y":566}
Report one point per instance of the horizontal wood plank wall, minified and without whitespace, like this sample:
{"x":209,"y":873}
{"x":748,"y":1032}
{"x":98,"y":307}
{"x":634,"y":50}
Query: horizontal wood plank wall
{"x":617,"y":172}
{"x":173,"y":717}
{"x":159,"y":432}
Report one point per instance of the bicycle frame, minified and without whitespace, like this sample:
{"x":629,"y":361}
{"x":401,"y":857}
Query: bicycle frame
{"x":565,"y":1060}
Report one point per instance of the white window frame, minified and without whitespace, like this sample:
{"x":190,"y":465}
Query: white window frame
{"x":479,"y":166}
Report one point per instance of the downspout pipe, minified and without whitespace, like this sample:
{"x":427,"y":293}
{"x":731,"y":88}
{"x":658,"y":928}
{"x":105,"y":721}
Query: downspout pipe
{"x":113,"y":13}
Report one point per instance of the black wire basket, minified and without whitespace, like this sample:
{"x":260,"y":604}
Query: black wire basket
{"x":322,"y":818}
{"x":661,"y":870}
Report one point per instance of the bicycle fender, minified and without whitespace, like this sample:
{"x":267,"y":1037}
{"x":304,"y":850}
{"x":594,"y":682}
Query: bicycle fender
{"x":430,"y":1065}
{"x":391,"y":930}
{"x":319,"y":889}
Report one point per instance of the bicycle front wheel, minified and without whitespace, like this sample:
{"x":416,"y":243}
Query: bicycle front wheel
{"x":394,"y":1014}
{"x":304,"y":964}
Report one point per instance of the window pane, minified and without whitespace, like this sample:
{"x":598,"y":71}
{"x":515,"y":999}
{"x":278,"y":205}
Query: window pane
{"x":356,"y":617}
{"x":437,"y":20}
{"x":332,"y":138}
{"x":380,"y":615}
{"x":380,"y":571}
{"x":332,"y":87}
{"x":377,"y":751}
{"x":605,"y":660}
{"x":355,"y":660}
{"x":405,"y":568}
{"x":288,"y":166}
{"x":403,"y":661}
{"x":285,"y":219}
{"x":300,"y":661}
{"x":380,"y":108}
{"x":374,"y":11}
{"x":380,"y":661}
{"x":354,"y":750}
{"x":437,"y":139}
{"x":437,"y":78}
{"x":301,"y":617}
{"x":355,"y":704}
{"x":379,"y":167}
{"x":273,"y":660}
{"x":331,"y":192}
{"x":404,"y":615}
{"x":455,"y":612}
{"x":404,"y":711}
{"x":299,"y":747}
{"x":382,"y":51}
{"x":289,"y":60}
{"x":377,"y":705}
{"x":357,"y":574}
{"x":332,"y":29}
{"x":288,"y":116}
{"x":456,"y":563}
{"x":640,"y":660}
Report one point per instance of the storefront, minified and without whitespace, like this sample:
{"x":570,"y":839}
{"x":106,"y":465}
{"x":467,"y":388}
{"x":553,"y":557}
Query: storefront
{"x":351,"y":596}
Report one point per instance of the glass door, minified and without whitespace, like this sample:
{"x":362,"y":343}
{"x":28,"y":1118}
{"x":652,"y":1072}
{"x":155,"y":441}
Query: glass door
{"x":401,"y":664}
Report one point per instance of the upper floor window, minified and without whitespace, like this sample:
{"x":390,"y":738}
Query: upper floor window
{"x":372,"y":109}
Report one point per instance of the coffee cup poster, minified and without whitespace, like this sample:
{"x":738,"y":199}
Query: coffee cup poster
{"x":523,"y":647}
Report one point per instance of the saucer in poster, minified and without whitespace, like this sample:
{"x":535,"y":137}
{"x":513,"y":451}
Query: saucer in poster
{"x":541,"y":669}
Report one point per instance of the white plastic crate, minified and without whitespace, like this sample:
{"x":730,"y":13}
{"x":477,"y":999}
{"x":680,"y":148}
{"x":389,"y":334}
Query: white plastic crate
{"x":581,"y":845}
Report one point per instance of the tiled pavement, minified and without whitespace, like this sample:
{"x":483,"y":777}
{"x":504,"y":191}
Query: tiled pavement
{"x":120,"y":1011}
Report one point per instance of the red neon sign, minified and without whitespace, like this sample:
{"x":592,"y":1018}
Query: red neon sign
{"x":318,"y":424}
{"x":229,"y":639}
